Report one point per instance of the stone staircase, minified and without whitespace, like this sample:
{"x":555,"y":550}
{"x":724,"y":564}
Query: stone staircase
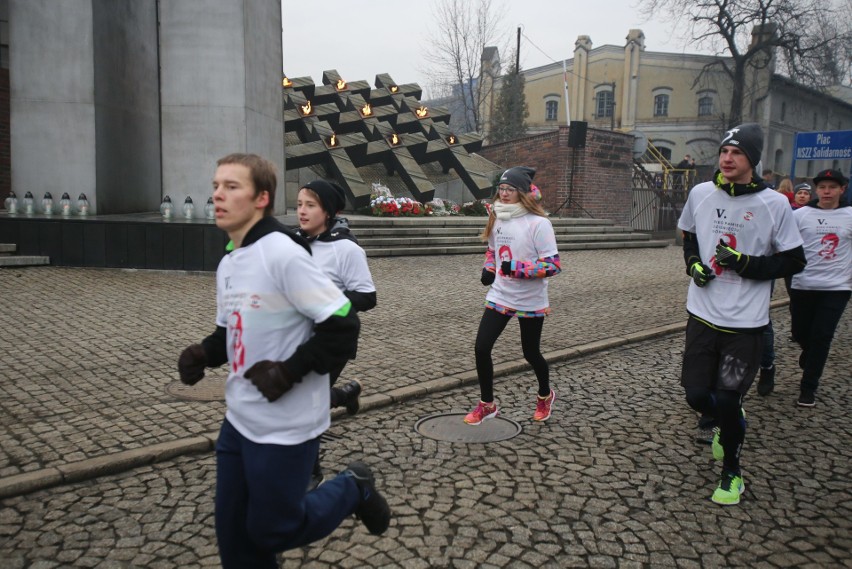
{"x":385,"y":237}
{"x":8,"y":258}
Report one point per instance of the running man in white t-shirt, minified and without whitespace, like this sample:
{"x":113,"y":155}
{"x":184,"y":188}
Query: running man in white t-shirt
{"x":819,"y":294}
{"x":282,"y":325}
{"x":738,"y":236}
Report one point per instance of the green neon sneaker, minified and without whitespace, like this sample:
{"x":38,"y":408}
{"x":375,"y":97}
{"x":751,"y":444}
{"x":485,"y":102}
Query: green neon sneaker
{"x":730,"y":488}
{"x":716,"y":444}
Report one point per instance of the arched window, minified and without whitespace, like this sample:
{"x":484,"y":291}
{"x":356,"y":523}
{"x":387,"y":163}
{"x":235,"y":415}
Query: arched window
{"x":705,"y":106}
{"x":551,"y":108}
{"x":603,"y":104}
{"x":661,"y":106}
{"x":666,"y":152}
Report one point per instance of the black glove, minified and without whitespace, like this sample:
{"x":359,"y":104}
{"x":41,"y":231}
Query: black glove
{"x":191,"y":364}
{"x":506,"y":268}
{"x":272,"y":379}
{"x":487,"y":277}
{"x":729,"y":257}
{"x":701,"y":273}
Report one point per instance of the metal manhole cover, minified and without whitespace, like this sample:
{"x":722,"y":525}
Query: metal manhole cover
{"x":203,"y":391}
{"x":451,"y":427}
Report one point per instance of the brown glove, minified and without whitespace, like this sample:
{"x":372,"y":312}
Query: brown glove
{"x":191,"y":364}
{"x":272,"y":379}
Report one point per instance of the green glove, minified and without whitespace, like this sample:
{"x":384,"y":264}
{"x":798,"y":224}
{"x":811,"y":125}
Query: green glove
{"x":701,"y":273}
{"x":729,"y":257}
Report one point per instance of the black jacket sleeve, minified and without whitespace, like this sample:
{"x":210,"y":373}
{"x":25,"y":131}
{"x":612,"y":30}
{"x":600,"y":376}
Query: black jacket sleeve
{"x":334,"y":342}
{"x":215,"y":347}
{"x":690,"y":250}
{"x":361,"y":301}
{"x":779,"y":265}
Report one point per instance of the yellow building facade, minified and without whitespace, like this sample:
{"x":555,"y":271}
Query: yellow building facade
{"x":666,"y":98}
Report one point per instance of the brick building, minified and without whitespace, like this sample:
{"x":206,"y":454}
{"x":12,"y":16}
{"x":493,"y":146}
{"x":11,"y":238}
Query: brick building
{"x":602,"y":171}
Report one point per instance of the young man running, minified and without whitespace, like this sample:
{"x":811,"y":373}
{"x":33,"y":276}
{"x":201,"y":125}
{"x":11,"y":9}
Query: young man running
{"x":738,"y":236}
{"x":282,"y":325}
{"x":819,"y":294}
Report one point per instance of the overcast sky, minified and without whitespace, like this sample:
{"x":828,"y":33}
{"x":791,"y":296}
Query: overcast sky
{"x":363,"y":39}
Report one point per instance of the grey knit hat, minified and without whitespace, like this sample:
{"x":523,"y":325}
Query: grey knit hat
{"x":748,"y":137}
{"x":519,"y":177}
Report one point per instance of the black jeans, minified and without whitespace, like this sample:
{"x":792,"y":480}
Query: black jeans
{"x":815,"y":314}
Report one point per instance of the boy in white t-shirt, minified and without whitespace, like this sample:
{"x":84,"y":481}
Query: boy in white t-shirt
{"x":819,"y":294}
{"x":282,"y":325}
{"x":738,"y":236}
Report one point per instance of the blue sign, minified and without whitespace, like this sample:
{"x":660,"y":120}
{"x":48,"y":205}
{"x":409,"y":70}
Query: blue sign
{"x":828,"y":145}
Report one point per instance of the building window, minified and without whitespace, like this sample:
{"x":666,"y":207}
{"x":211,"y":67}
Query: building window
{"x":550,"y":110}
{"x":666,"y":152}
{"x":810,"y":168}
{"x":661,"y":106}
{"x":779,"y":160}
{"x":783,"y":112}
{"x":705,"y":106}
{"x":603,"y":104}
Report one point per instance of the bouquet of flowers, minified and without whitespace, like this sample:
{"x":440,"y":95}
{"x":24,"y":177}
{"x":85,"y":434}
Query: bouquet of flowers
{"x":382,"y":203}
{"x":480,"y":207}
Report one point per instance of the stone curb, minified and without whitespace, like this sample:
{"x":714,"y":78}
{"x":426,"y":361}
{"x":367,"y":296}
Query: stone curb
{"x":115,"y":463}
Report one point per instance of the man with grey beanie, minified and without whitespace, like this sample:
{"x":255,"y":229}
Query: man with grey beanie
{"x":738,"y":236}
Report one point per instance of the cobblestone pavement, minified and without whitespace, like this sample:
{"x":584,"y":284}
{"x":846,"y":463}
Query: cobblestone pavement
{"x":614,"y":479}
{"x":91,"y":352}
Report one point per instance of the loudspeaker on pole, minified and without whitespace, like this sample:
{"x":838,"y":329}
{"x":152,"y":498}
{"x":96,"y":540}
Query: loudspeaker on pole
{"x":577,"y":134}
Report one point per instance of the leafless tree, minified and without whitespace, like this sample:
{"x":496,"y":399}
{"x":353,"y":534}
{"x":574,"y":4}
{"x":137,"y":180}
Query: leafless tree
{"x":461,"y":30}
{"x":811,"y":38}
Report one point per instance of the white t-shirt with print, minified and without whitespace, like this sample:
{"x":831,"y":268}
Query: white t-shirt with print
{"x":828,"y":248}
{"x":269,"y":295}
{"x":525,"y":238}
{"x":345,"y":263}
{"x":755,"y":224}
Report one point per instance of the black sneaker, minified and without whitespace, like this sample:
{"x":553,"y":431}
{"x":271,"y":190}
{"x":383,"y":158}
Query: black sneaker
{"x":766,"y":383}
{"x":806,"y":398}
{"x":704,"y":430}
{"x":349,"y":396}
{"x":373,"y":510}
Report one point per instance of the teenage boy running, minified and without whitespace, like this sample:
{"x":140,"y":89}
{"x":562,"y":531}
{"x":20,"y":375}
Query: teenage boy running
{"x":282,"y":325}
{"x":819,"y":294}
{"x":738,"y":236}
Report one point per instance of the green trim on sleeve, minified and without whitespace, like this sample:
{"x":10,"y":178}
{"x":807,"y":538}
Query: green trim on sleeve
{"x":343,"y":310}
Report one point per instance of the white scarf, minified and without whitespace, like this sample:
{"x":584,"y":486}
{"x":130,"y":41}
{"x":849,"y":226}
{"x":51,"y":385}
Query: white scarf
{"x":505,"y":211}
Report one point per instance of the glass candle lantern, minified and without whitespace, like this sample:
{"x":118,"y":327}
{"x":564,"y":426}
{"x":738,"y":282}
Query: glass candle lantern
{"x":47,"y":203}
{"x":82,"y":205}
{"x":12,"y":203}
{"x":65,"y":204}
{"x":188,"y":208}
{"x":210,"y":209}
{"x":166,"y":208}
{"x":29,"y":206}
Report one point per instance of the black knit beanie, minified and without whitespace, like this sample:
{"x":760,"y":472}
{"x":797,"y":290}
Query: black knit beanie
{"x":331,"y":196}
{"x":519,"y":177}
{"x":748,"y":137}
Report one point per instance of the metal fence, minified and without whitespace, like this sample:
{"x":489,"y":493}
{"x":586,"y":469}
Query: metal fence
{"x":656,"y":210}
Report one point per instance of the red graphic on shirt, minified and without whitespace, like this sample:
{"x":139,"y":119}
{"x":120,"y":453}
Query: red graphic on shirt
{"x":731,"y":241}
{"x":829,"y":243}
{"x":505,"y":254}
{"x":235,"y":328}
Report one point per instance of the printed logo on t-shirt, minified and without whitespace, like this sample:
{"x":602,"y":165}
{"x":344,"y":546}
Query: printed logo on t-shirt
{"x":254,"y":301}
{"x":829,"y":244}
{"x":504,"y":253}
{"x":235,"y":332}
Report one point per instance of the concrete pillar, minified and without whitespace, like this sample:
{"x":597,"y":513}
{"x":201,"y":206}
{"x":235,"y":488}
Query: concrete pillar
{"x":221,"y":64}
{"x":630,"y":81}
{"x":582,"y":47}
{"x":85,"y":109}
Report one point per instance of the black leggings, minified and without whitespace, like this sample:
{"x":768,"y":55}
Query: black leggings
{"x":490,"y":327}
{"x":727,"y":407}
